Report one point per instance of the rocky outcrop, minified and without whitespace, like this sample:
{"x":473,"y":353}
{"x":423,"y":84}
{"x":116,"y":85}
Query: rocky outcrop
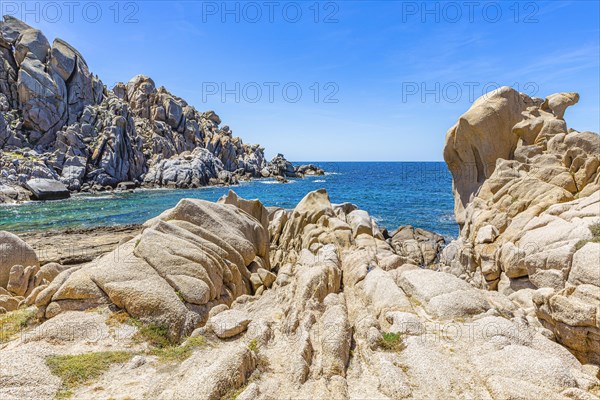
{"x":527,"y":197}
{"x":186,"y":261}
{"x":73,"y":129}
{"x":344,"y":318}
{"x":281,"y":167}
{"x":14,"y":251}
{"x":189,"y":170}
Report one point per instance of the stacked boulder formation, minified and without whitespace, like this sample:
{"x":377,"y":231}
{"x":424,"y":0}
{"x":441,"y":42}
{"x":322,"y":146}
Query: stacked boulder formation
{"x":59,"y":122}
{"x":527,"y":198}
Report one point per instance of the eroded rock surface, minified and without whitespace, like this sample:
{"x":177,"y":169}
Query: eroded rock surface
{"x":527,"y":197}
{"x":345,"y":318}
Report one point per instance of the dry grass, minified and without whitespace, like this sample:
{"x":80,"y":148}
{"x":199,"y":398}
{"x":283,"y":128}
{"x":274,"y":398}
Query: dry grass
{"x":14,"y":322}
{"x":595,"y":229}
{"x":158,"y":338}
{"x":80,"y":369}
{"x":179,"y":353}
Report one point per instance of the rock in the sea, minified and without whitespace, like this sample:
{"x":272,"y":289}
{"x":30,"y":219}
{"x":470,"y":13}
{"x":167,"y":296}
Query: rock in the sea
{"x":47,"y":189}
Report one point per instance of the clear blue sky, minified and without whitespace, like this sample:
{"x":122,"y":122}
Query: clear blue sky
{"x":374,"y":58}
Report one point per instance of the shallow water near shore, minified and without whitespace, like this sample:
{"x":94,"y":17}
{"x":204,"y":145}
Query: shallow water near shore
{"x":394,"y":193}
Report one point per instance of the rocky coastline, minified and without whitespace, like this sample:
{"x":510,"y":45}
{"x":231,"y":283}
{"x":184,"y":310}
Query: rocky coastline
{"x":235,"y":300}
{"x":62,"y":130}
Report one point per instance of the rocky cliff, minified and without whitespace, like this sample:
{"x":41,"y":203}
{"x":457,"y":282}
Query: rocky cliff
{"x":527,"y":197}
{"x":59,"y":122}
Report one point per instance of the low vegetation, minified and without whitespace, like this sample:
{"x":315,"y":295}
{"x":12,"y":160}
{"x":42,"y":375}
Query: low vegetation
{"x":595,"y":229}
{"x":179,"y":353}
{"x":233,"y":393}
{"x":155,"y":335}
{"x":392,"y":342}
{"x":158,"y":338}
{"x":80,"y":369}
{"x":12,"y":155}
{"x":262,"y":366}
{"x":14,"y":322}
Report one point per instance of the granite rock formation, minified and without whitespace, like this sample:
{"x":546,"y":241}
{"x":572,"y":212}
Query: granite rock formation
{"x":527,"y":196}
{"x":344,"y":317}
{"x":59,"y":121}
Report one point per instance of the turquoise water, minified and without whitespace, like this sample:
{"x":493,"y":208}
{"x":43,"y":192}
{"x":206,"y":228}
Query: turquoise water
{"x":394,"y":193}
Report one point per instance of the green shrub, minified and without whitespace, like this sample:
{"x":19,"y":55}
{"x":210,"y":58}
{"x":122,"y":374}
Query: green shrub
{"x":253,"y":345}
{"x":595,"y":229}
{"x":157,"y":335}
{"x":391,"y":342}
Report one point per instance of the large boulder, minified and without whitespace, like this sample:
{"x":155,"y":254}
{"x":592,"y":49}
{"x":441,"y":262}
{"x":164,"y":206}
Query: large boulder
{"x":47,"y":189}
{"x":229,"y":323}
{"x":527,"y":196}
{"x":481,"y":136}
{"x":31,"y":44}
{"x":186,"y":261}
{"x":14,"y":251}
{"x":42,"y":96}
{"x":186,"y":170}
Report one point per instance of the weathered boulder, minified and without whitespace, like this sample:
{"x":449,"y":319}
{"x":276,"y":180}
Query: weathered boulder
{"x":417,"y":246}
{"x":186,"y":170}
{"x":229,"y":323}
{"x":527,"y":193}
{"x":47,"y":189}
{"x":481,"y":136}
{"x":31,"y":44}
{"x":20,"y":279}
{"x":43,"y":97}
{"x":14,"y":251}
{"x":186,"y":261}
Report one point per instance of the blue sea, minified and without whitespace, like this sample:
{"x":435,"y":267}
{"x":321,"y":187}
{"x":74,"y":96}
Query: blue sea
{"x":394,"y":193}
